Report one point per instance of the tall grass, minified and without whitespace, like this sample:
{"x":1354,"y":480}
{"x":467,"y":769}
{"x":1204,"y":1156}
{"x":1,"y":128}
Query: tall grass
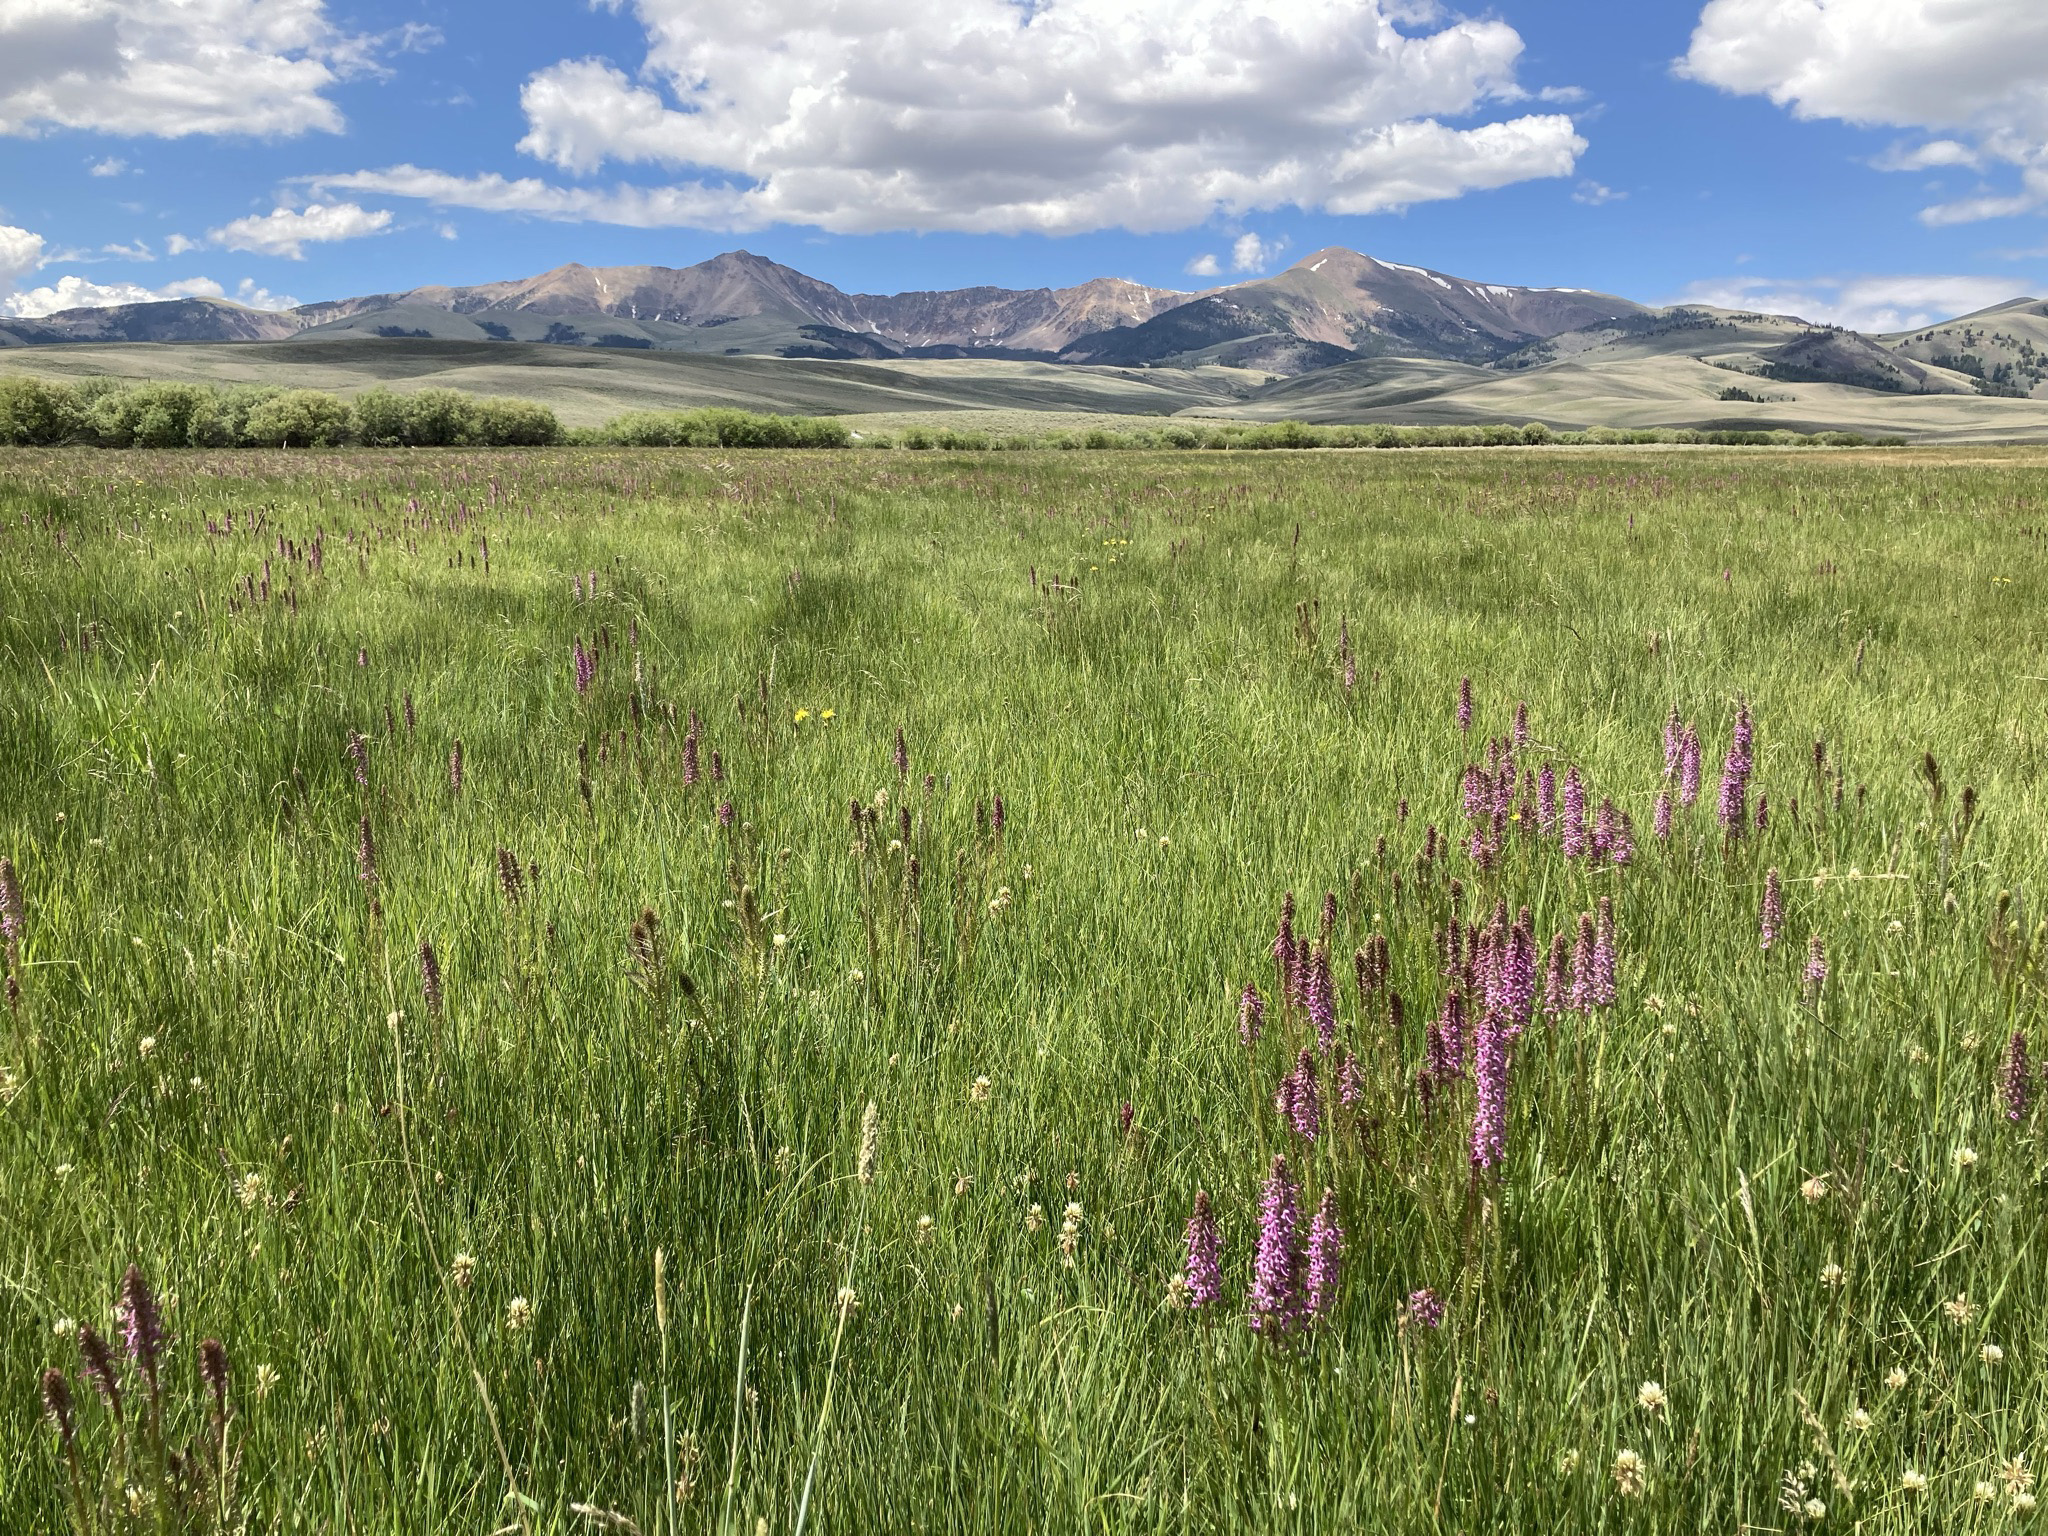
{"x":664,"y":1007}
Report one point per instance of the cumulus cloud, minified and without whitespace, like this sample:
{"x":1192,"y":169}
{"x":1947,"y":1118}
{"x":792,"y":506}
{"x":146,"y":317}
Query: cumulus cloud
{"x":21,"y":252}
{"x":283,"y":231}
{"x":1872,"y":304}
{"x":75,"y":292}
{"x":1205,"y":265}
{"x":1594,"y":193}
{"x":1248,"y":253}
{"x":113,"y":165}
{"x":1972,"y":72}
{"x":989,"y":116}
{"x":170,"y":68}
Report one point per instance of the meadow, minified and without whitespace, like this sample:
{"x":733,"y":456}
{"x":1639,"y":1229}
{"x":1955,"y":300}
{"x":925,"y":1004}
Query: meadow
{"x":737,"y":991}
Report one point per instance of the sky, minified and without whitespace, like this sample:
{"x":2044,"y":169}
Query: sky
{"x":1873,"y":163}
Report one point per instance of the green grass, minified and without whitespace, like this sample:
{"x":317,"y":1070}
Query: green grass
{"x":1175,"y":749}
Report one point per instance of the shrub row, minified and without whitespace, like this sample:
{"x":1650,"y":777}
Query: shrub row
{"x":111,"y":413}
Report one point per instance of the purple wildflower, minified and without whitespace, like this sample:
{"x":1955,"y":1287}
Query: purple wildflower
{"x":2015,"y":1080}
{"x":691,"y":771}
{"x":1425,"y":1308}
{"x":1283,"y":952}
{"x":1325,"y":1255}
{"x":430,"y":977}
{"x":1763,"y":811}
{"x":1351,"y":1082}
{"x":57,"y":1404}
{"x":1205,"y":1254}
{"x":1573,"y":828}
{"x":366,"y":853}
{"x":1816,"y":972}
{"x":1661,"y":822}
{"x":1674,"y":736}
{"x":1521,"y":725}
{"x":901,"y":756}
{"x":12,"y":916}
{"x":1581,"y":997}
{"x":1603,"y":955}
{"x":213,"y":1370}
{"x":1606,"y":828}
{"x":997,"y":816}
{"x":455,"y":767}
{"x":1490,"y":1092}
{"x":1300,"y":1099}
{"x":142,"y":1324}
{"x":585,"y":665}
{"x":1276,"y":1268}
{"x":726,"y":815}
{"x":1465,"y":704}
{"x":1623,"y":850}
{"x":1446,"y":1040}
{"x":1251,"y":1015}
{"x":1322,"y":999}
{"x":359,"y":756}
{"x":1772,"y":922}
{"x":1689,"y":768}
{"x":96,"y":1364}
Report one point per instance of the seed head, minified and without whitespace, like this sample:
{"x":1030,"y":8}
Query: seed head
{"x":870,"y":1142}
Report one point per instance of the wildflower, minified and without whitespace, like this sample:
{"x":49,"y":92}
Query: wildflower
{"x":1689,"y":768}
{"x":97,"y":1363}
{"x":1603,"y":955}
{"x":1960,"y":1310}
{"x":924,"y":1228}
{"x":1205,"y":1253}
{"x":455,"y":767}
{"x":1276,"y":1270}
{"x":1813,"y":1509}
{"x":141,"y":1323}
{"x":430,"y":977}
{"x":1814,"y":1189}
{"x":57,"y":1405}
{"x":1983,"y":1492}
{"x":266,"y":1381}
{"x":366,"y":854}
{"x":1034,"y":1219}
{"x":901,"y":756}
{"x":1521,"y":728}
{"x":1582,"y":993}
{"x":1425,"y":1308}
{"x":250,"y":1190}
{"x":1832,"y":1277}
{"x":1991,"y":1355}
{"x":1913,"y":1482}
{"x":1300,"y":1099}
{"x":1816,"y":972}
{"x":1964,"y":1158}
{"x":12,"y":916}
{"x":518,"y":1314}
{"x":1465,"y":704}
{"x":978,"y":1091}
{"x":1895,"y":1378}
{"x":65,"y":1328}
{"x":1251,"y":1015}
{"x":870,"y":1143}
{"x":1070,"y":1232}
{"x":1630,"y":1476}
{"x":2015,"y":1084}
{"x":2017,"y":1476}
{"x":1660,"y":821}
{"x":2023,"y":1503}
{"x":1573,"y":832}
{"x":1773,"y":918}
{"x":800,"y":717}
{"x":213,"y":1370}
{"x":848,"y":1301}
{"x":1651,"y":1399}
{"x":1325,"y":1250}
{"x":1859,"y":1417}
{"x":463,"y":1270}
{"x":1490,"y":1093}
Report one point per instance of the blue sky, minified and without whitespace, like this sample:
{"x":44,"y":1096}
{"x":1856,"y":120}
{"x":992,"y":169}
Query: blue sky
{"x":1880,"y":162}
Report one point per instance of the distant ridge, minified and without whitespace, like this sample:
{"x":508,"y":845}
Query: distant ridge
{"x":1335,"y":309}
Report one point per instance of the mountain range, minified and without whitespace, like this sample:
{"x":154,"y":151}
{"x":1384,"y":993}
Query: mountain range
{"x":1336,"y":336}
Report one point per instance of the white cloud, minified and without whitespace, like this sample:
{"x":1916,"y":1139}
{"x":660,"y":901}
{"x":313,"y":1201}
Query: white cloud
{"x":178,"y":245}
{"x":1205,"y":265}
{"x":282,"y":232}
{"x":74,"y":292}
{"x":246,"y":292}
{"x":1593,"y":194}
{"x":113,"y":165}
{"x":21,"y":252}
{"x":169,"y":68}
{"x":138,"y":251}
{"x":992,"y":116}
{"x":1248,"y":253}
{"x":1870,"y":304}
{"x":1977,"y":69}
